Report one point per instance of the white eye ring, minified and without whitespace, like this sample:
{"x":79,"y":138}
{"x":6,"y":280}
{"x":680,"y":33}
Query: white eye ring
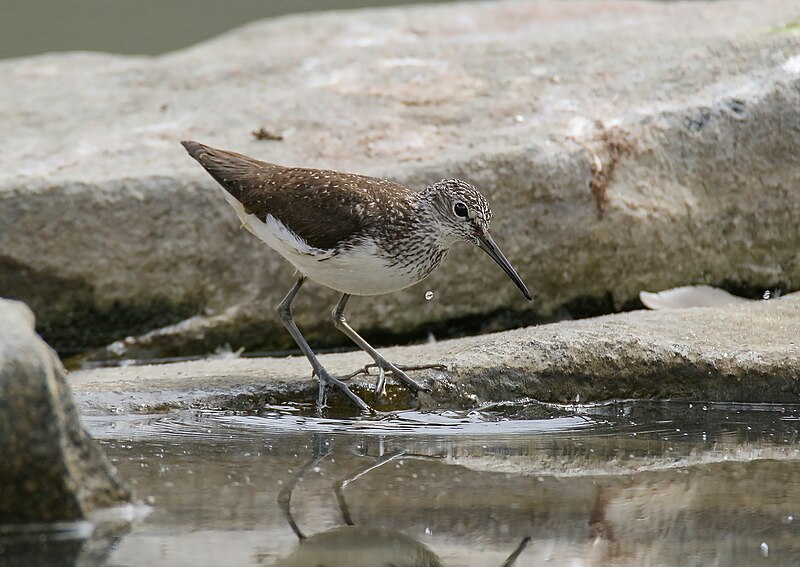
{"x":460,"y":210}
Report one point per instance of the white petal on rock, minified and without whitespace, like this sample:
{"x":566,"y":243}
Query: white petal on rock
{"x":689,"y":296}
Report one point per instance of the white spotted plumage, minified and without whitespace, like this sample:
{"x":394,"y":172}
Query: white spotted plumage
{"x":357,"y":235}
{"x":360,"y":270}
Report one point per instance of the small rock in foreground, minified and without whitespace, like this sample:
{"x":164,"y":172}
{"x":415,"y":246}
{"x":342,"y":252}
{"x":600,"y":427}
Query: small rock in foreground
{"x":50,"y":470}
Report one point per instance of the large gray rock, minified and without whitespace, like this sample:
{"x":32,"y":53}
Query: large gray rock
{"x":624,"y":146}
{"x":748,"y":352}
{"x":50,"y":470}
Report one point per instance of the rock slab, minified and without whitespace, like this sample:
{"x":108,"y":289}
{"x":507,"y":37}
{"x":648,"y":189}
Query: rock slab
{"x":624,"y":146}
{"x":748,"y":352}
{"x":51,"y":470}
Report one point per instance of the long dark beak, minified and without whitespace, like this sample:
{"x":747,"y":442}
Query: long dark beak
{"x":486,"y":244}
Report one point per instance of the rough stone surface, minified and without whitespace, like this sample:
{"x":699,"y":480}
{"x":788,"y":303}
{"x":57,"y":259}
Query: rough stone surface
{"x":744,"y":353}
{"x":624,"y":146}
{"x":51,"y":470}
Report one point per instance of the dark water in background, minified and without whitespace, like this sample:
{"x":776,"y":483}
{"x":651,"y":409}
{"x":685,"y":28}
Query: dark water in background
{"x":144,"y":27}
{"x":636,"y":484}
{"x":149,"y":27}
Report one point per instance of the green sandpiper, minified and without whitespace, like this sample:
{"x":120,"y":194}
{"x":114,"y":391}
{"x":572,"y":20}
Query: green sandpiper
{"x":355,"y":234}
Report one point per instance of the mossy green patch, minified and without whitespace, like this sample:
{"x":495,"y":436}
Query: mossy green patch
{"x":792,"y":27}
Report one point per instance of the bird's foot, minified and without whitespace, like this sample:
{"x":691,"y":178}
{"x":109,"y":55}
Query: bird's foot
{"x":398,"y":371}
{"x":328,"y":380}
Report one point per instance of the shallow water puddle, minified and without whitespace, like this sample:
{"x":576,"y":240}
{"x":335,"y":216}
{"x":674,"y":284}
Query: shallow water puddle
{"x":629,"y":484}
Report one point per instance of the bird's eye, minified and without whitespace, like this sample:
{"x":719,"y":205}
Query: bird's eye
{"x":460,"y":209}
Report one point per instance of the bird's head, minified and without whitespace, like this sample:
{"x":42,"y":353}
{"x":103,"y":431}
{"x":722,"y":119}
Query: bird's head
{"x":464,"y":214}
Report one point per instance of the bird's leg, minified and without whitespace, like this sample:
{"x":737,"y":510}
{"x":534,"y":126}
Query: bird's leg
{"x":285,"y":312}
{"x":380,"y":363}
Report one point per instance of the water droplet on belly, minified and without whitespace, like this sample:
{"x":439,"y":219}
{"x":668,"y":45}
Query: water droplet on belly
{"x":428,"y":295}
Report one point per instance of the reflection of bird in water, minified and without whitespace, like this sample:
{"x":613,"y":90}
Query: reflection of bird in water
{"x":358,"y":546}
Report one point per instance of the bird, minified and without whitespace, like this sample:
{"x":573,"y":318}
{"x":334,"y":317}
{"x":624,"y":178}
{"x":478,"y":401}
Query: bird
{"x":355,"y":234}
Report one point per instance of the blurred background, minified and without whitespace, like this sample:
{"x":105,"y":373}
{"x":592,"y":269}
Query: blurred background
{"x":144,"y":27}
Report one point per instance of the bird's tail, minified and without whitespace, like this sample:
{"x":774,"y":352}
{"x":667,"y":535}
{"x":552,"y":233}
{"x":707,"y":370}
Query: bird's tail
{"x":235,"y":172}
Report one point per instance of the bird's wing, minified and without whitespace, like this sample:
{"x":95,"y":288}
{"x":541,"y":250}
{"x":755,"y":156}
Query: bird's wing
{"x":322,"y":207}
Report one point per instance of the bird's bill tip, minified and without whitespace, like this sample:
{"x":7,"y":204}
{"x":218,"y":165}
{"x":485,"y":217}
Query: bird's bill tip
{"x":487,"y":244}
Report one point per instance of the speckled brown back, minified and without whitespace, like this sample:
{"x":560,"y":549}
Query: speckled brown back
{"x":328,"y":209}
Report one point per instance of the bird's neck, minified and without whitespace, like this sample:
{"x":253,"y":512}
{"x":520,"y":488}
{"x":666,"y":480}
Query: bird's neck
{"x":421,"y":246}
